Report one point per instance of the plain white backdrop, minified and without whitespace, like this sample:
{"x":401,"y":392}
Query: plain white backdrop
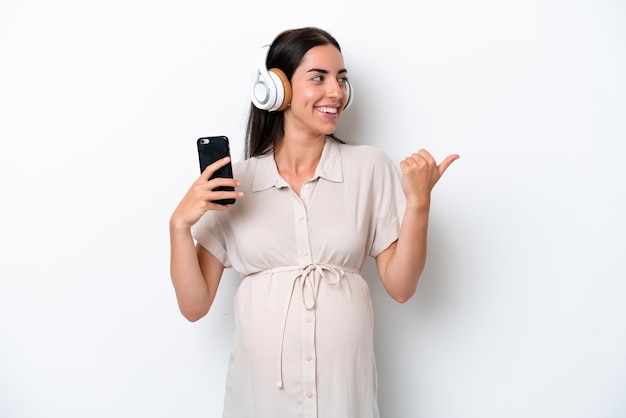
{"x":520,"y":312}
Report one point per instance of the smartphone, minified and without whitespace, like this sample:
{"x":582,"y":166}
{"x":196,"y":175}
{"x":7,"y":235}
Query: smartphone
{"x":211,"y":149}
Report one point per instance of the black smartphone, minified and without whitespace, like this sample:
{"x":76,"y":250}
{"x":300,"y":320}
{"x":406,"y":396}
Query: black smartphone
{"x":211,"y":149}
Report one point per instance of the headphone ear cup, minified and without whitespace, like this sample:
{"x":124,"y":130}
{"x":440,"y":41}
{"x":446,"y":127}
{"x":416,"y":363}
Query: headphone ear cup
{"x":263,"y":92}
{"x":349,"y":94}
{"x":271,"y":89}
{"x":281,"y":80}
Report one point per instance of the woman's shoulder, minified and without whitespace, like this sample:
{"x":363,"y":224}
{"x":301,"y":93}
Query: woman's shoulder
{"x":363,"y":153}
{"x":245,"y":166}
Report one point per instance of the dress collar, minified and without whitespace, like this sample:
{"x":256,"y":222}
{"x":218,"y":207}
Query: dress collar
{"x":329,"y":168}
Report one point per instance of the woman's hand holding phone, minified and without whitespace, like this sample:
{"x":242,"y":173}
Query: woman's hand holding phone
{"x":214,"y":192}
{"x":208,"y":192}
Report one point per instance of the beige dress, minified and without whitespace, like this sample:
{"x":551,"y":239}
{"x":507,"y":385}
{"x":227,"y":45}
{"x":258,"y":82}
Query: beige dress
{"x":303,"y":344}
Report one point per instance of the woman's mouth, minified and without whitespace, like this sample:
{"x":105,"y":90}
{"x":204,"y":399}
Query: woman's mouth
{"x":326,"y":109}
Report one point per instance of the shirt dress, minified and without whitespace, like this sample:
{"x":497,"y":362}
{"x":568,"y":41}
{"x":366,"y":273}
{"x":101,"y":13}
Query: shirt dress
{"x":303,"y":341}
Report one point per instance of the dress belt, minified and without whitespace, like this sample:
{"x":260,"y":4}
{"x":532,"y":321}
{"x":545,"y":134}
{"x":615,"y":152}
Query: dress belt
{"x":307,"y":279}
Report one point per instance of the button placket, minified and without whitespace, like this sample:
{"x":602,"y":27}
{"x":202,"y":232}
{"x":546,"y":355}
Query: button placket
{"x":308,"y":363}
{"x":309,"y":367}
{"x":301,"y":226}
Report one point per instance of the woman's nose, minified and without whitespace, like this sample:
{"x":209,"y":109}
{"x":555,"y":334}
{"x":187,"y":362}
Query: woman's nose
{"x":335,"y":89}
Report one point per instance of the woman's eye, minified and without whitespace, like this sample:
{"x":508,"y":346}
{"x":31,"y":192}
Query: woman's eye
{"x":343,"y":80}
{"x":318,"y":78}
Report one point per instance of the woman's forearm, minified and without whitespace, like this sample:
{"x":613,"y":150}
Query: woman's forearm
{"x":407,"y":257}
{"x":192,"y":290}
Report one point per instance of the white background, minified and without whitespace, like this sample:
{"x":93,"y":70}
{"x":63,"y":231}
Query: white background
{"x":520,"y":312}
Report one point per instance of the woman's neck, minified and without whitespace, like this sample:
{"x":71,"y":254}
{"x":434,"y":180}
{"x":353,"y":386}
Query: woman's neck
{"x":297,"y":159}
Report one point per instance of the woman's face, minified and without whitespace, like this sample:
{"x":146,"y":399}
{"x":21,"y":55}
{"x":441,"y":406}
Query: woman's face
{"x":318,"y":92}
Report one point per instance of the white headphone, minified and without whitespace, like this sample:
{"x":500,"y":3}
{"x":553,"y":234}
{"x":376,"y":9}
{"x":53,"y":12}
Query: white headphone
{"x":271,"y":89}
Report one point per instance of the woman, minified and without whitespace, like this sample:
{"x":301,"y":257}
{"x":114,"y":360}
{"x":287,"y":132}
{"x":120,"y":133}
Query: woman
{"x":310,"y":209}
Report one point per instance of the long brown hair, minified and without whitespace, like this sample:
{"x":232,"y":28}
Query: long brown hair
{"x":265,"y":129}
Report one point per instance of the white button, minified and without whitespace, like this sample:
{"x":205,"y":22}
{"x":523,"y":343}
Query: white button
{"x":305,"y":253}
{"x":301,"y":218}
{"x":310,"y":395}
{"x":308,"y":187}
{"x":308,"y":358}
{"x":308,"y":319}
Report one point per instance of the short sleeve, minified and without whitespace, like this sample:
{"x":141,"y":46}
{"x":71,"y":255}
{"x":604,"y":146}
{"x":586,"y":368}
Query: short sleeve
{"x":389,"y":204}
{"x":210,"y":232}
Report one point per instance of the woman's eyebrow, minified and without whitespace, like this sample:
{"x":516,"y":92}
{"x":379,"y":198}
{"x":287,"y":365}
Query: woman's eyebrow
{"x":319,"y":70}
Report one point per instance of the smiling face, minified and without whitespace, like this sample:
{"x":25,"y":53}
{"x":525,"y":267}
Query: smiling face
{"x":319,"y":93}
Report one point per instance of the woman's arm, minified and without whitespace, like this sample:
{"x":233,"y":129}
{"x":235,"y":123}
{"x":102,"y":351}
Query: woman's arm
{"x":402,"y":263}
{"x":195,"y":272}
